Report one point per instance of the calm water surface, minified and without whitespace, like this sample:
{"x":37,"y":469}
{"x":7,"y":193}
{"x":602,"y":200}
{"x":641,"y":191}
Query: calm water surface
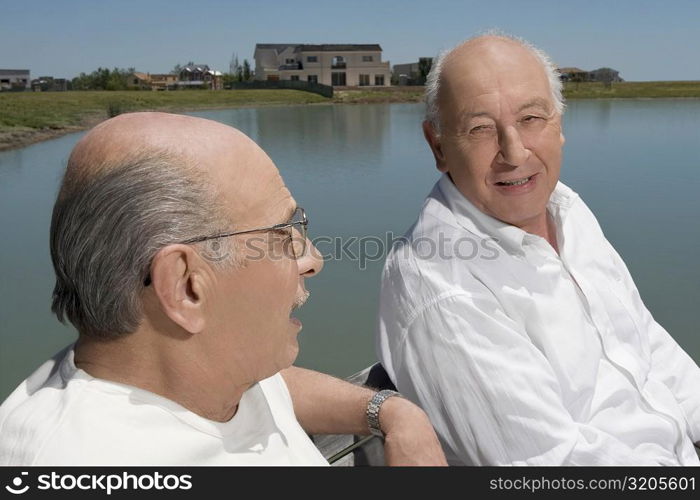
{"x":364,"y":171}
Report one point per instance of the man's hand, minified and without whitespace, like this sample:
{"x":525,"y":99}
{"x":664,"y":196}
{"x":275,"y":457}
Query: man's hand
{"x":410,"y":438}
{"x":327,"y":405}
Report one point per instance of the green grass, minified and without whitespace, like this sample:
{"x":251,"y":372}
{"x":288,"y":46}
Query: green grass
{"x":594,"y":90}
{"x":378,"y":94}
{"x":588,"y":90}
{"x":59,"y":110}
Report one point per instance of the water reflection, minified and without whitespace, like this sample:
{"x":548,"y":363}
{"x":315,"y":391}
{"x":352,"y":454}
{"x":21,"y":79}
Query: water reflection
{"x":351,"y":135}
{"x":597,"y":116}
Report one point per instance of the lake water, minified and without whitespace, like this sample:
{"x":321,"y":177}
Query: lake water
{"x":363,"y":171}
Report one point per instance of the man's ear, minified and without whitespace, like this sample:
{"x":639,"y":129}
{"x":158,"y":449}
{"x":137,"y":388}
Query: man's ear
{"x":178,"y":283}
{"x":433,"y":140}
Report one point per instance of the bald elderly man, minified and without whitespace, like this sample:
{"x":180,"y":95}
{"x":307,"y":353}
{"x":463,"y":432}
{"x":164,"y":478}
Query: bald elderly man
{"x":519,"y":329}
{"x":180,"y":257}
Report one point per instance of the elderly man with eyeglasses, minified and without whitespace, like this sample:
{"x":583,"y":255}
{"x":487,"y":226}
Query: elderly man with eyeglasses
{"x":180,"y":257}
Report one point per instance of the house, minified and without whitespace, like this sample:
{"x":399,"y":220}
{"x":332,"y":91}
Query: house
{"x":573,"y":74}
{"x":200,"y":76}
{"x":412,"y":73}
{"x":155,"y":81}
{"x":140,"y":81}
{"x":14,"y":79}
{"x":49,"y":84}
{"x":328,"y":64}
{"x":605,"y":75}
{"x":163,"y":81}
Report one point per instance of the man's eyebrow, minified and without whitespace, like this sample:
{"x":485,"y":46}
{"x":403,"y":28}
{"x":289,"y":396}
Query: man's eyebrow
{"x":536,"y":102}
{"x":532,"y":103}
{"x":468,"y":116}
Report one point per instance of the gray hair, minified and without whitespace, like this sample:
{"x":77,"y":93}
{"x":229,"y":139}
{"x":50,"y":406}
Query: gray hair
{"x":106,"y":230}
{"x":432,"y":84}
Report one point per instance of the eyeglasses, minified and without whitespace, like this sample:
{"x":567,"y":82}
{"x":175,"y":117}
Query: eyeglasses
{"x":298,"y":221}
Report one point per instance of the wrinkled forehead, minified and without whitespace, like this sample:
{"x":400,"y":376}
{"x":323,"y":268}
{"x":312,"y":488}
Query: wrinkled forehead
{"x":491,"y":68}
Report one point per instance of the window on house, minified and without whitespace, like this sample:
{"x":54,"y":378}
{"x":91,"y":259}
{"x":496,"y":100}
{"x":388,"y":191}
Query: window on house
{"x":364,"y":80}
{"x":338,"y":62}
{"x":367,"y":58}
{"x":379,"y":79}
{"x":294,"y":78}
{"x":289,"y":61}
{"x":311,"y":59}
{"x":312,"y":78}
{"x":338,"y":78}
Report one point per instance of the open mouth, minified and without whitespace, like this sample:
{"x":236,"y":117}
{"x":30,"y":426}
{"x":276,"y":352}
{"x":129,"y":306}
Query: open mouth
{"x":298,"y":302}
{"x":515,"y":182}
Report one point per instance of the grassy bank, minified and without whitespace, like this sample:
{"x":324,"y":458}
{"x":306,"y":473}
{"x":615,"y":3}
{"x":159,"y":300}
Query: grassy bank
{"x":587,"y":90}
{"x":594,"y":90}
{"x":354,"y":95}
{"x":28,"y":117}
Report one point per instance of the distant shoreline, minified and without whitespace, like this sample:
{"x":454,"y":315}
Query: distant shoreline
{"x":28,"y":117}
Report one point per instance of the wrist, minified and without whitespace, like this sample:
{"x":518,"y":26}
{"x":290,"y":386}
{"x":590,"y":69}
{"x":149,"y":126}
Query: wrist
{"x":375,"y":411}
{"x":400,"y":415}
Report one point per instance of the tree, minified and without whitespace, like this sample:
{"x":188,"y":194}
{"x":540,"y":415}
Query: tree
{"x":424,"y":65}
{"x":227,"y":80}
{"x":605,"y":75}
{"x":233,"y":65}
{"x":103,"y":79}
{"x":246,"y":70}
{"x":117,"y":79}
{"x":235,"y":70}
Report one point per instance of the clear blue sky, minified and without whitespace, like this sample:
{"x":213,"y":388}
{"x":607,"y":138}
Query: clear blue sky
{"x":643,"y":39}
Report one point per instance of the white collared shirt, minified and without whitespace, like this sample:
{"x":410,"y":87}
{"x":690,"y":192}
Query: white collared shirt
{"x":523,"y":356}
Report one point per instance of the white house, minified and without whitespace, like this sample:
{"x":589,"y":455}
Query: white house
{"x":14,"y":79}
{"x":329,"y":64}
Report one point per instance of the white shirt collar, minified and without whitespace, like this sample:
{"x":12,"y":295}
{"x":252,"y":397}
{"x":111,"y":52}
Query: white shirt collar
{"x":475,"y":221}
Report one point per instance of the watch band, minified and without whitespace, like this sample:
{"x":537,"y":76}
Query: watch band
{"x":373,"y":407}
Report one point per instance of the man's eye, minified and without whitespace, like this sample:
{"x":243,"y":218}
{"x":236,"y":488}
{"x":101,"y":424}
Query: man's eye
{"x":479,"y":129}
{"x":530,"y":119}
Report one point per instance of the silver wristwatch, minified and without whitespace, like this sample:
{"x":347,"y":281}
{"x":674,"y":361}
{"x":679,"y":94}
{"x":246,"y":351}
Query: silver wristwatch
{"x":373,"y":408}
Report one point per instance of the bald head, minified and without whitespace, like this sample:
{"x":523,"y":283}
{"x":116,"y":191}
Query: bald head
{"x":476,"y":57}
{"x":117,"y":141}
{"x":135,"y":184}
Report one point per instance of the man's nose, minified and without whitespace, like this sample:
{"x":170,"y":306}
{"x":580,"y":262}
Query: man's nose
{"x":511,"y":148}
{"x":311,"y":262}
